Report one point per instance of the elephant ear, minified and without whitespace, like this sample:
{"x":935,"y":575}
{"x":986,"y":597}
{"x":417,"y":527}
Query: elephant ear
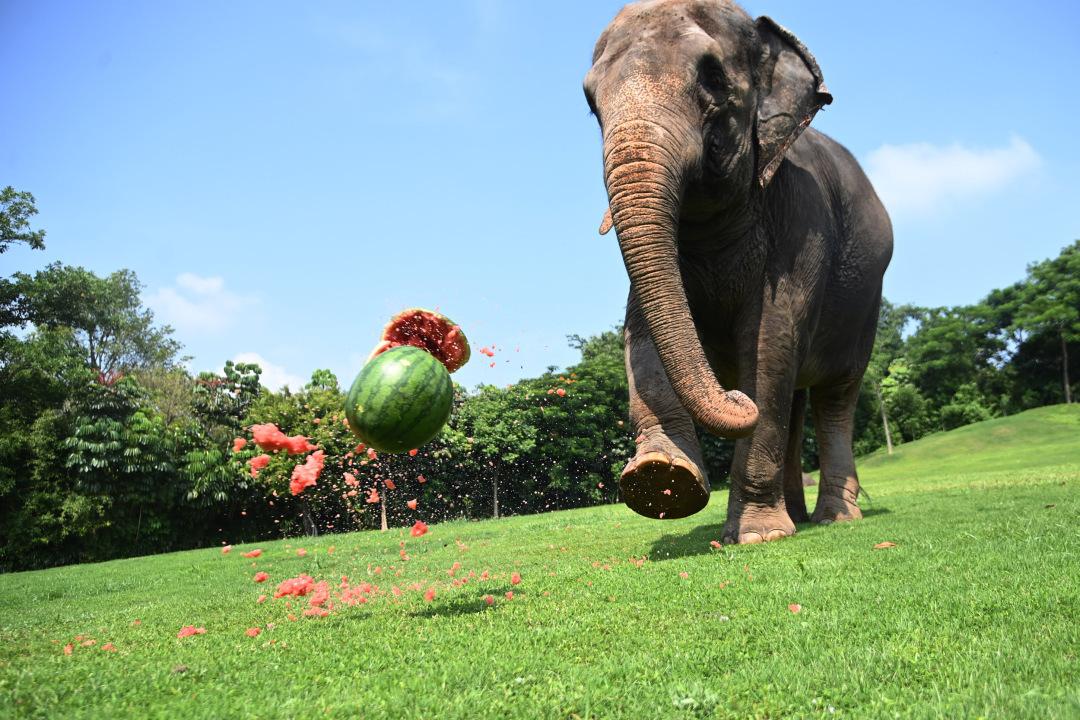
{"x":790,"y":92}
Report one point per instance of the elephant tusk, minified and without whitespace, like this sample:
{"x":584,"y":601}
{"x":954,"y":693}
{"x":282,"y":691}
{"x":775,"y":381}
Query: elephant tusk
{"x":605,"y":222}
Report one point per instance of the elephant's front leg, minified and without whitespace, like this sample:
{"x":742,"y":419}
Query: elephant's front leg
{"x":756,"y":507}
{"x":665,"y":478}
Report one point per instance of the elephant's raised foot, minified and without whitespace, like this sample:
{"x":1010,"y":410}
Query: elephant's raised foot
{"x":749,"y":524}
{"x":661,"y":486}
{"x":832,"y":508}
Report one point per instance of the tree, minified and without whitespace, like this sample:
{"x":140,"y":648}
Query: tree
{"x":966,"y":407}
{"x":562,"y":438}
{"x":170,"y":391}
{"x":1049,"y":303}
{"x":317,"y":413}
{"x":585,"y":435}
{"x":211,"y":473}
{"x":106,"y":315}
{"x":36,"y":374}
{"x":98,"y":482}
{"x":16,"y":209}
{"x":45,"y":519}
{"x":953,"y":347}
{"x":906,"y":405}
{"x":888,"y":346}
{"x":223,"y":401}
{"x":494,"y":426}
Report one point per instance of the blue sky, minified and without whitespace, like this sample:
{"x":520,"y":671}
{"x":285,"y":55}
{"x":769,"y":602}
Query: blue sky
{"x":283,"y":177}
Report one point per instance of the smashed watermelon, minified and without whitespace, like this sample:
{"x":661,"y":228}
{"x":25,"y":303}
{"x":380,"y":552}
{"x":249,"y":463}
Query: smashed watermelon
{"x":430,"y":331}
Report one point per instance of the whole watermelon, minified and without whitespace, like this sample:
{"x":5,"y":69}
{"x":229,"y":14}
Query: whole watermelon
{"x":400,"y":400}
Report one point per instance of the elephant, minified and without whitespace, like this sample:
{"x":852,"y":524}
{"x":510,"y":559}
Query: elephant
{"x":755,"y":248}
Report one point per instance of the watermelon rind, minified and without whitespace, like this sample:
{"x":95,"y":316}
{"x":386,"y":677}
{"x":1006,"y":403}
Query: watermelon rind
{"x":400,"y":400}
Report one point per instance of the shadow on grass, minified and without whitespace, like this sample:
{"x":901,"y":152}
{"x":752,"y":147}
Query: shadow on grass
{"x":807,"y":528}
{"x":459,"y":606}
{"x":696,"y":541}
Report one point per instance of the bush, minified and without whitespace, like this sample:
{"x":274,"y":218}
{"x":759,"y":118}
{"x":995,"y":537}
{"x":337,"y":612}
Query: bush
{"x":965,"y":408}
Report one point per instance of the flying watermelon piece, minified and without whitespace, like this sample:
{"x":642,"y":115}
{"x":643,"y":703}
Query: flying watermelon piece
{"x":428,"y":330}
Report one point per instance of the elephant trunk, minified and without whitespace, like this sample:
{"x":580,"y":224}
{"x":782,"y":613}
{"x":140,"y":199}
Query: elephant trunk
{"x":644,"y":169}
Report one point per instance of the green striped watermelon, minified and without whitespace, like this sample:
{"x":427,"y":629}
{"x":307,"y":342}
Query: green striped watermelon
{"x":400,"y":400}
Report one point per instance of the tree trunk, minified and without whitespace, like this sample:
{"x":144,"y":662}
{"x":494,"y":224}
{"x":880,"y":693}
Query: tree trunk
{"x":309,"y":522}
{"x":495,"y":480}
{"x":884,"y":419}
{"x":93,"y":353}
{"x":1065,"y":368}
{"x":382,"y":510}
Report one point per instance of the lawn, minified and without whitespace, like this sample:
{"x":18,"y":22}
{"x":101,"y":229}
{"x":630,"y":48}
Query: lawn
{"x":975,"y":612}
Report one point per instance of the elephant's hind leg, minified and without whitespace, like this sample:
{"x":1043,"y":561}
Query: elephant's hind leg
{"x":794,"y":498}
{"x":834,"y":419}
{"x":665,"y":478}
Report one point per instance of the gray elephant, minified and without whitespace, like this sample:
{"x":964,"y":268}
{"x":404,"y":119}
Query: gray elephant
{"x":755,"y":252}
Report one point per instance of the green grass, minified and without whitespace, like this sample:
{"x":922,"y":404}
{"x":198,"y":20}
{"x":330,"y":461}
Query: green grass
{"x":974,"y":613}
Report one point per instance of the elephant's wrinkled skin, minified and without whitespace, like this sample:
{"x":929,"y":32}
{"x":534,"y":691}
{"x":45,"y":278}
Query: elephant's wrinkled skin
{"x":755,"y":253}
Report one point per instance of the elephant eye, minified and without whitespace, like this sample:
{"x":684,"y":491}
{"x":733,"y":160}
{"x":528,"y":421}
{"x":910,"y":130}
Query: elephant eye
{"x":592,"y":104}
{"x":712,"y":77}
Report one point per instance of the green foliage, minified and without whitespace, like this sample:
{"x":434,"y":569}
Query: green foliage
{"x":1016,"y":349}
{"x":1050,"y":299}
{"x":888,"y":347}
{"x":223,"y":401}
{"x":92,"y":465}
{"x":170,"y":390}
{"x":317,"y":413}
{"x":105,"y":316}
{"x":563,"y":437}
{"x":119,"y":449}
{"x":966,"y":407}
{"x":951,"y":347}
{"x":1048,"y":304}
{"x":16,"y":209}
{"x":36,"y":374}
{"x":323,"y":380}
{"x":717,"y":453}
{"x":208,"y":471}
{"x":48,"y":520}
{"x":906,"y":407}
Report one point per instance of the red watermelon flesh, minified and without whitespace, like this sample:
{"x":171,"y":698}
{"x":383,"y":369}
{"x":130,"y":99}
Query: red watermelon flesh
{"x":427,"y":330}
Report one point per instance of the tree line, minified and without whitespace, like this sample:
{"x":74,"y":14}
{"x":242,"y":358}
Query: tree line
{"x":109,"y":447}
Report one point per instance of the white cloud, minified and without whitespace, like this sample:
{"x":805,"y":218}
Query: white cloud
{"x":273,"y":376}
{"x":199,"y":305}
{"x":200,"y":285}
{"x":920,"y":178}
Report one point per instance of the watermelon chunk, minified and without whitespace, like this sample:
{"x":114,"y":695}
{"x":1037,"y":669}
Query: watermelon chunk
{"x":428,"y":330}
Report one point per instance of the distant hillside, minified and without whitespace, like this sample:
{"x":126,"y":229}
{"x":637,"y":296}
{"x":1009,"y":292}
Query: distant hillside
{"x":1043,"y":437}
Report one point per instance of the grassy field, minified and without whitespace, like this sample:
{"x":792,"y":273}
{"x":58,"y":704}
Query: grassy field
{"x":974,"y":613}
